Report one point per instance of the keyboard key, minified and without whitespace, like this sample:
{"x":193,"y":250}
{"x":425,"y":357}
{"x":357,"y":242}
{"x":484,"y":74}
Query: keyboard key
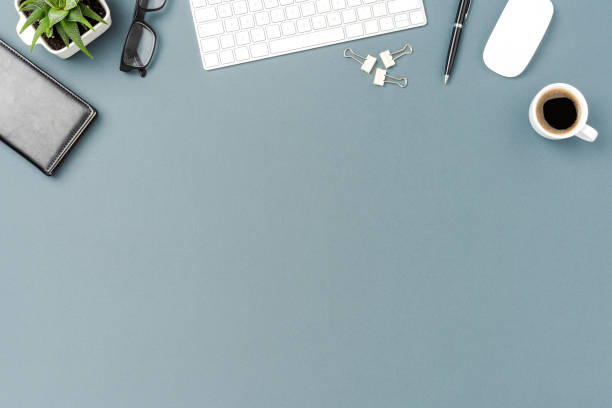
{"x":262,"y":18}
{"x":208,"y":29}
{"x":364,"y":12}
{"x":247,"y":21}
{"x":309,"y":40}
{"x":205,"y":14}
{"x":224,"y":10}
{"x":293,"y":12}
{"x":273,"y":31}
{"x":402,"y":20}
{"x":386,"y":24}
{"x":349,"y":16}
{"x":242,"y":53}
{"x":242,"y":38}
{"x":271,"y":3}
{"x":198,"y":3}
{"x":397,"y":6}
{"x":231,"y":24}
{"x":288,"y":28}
{"x":354,"y":3}
{"x":285,"y":2}
{"x":379,"y":9}
{"x":323,"y":6}
{"x":227,"y":41}
{"x":401,"y":17}
{"x":303,"y":25}
{"x":240,"y":7}
{"x":277,"y":15}
{"x":227,"y":57}
{"x":211,"y":2}
{"x":255,"y":5}
{"x":371,"y":27}
{"x":338,"y":4}
{"x":308,"y":9}
{"x":369,"y":1}
{"x":258,"y":34}
{"x":417,"y":17}
{"x":403,"y":23}
{"x":259,"y":50}
{"x":354,"y":30}
{"x":211,"y":60}
{"x":210,"y":44}
{"x":318,"y":22}
{"x":334,"y":19}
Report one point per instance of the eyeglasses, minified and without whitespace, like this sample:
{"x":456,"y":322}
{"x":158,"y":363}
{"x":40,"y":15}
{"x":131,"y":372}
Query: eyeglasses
{"x":140,"y":42}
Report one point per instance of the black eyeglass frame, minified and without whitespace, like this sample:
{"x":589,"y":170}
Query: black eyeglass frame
{"x":139,"y":18}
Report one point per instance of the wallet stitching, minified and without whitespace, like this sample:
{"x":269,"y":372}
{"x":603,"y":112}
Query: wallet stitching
{"x":80,"y":130}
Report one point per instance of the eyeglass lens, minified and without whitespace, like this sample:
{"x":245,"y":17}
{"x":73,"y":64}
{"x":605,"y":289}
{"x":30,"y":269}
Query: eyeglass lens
{"x":139,"y":46}
{"x":151,"y":4}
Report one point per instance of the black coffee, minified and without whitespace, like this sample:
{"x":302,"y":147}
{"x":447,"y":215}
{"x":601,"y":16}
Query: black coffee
{"x":558,"y":111}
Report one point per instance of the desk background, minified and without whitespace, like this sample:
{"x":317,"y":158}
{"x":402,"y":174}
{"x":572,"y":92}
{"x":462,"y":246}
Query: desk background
{"x":285,"y":234}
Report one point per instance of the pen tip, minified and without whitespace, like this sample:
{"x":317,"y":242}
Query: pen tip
{"x":446,"y":79}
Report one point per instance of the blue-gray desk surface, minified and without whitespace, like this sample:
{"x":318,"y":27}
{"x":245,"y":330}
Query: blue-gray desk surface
{"x":285,"y":234}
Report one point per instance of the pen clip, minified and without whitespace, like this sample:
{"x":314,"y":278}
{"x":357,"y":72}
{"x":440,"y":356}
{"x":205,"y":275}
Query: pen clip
{"x":467,"y":12}
{"x":463,"y":11}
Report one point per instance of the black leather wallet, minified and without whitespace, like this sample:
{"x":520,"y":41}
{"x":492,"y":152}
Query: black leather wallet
{"x":39,"y":117}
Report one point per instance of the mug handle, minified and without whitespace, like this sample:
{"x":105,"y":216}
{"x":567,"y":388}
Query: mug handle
{"x":588,"y":133}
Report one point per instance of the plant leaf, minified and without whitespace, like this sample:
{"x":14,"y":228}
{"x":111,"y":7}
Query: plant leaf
{"x":72,"y":31}
{"x":42,"y":27}
{"x":76,"y":16}
{"x":26,"y":4}
{"x":70,"y":4}
{"x":89,"y":13}
{"x":52,"y":3}
{"x":28,"y":7}
{"x":56,"y":15}
{"x":36,"y":3}
{"x":62,"y":33}
{"x":61,"y":4}
{"x":35,"y":16}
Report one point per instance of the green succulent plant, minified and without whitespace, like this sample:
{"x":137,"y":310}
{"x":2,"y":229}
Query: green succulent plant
{"x":60,"y":16}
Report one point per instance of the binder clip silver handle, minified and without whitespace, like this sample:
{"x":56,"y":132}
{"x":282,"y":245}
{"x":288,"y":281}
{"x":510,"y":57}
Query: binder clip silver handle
{"x":381,"y":78}
{"x":388,"y":58}
{"x":367,"y":63}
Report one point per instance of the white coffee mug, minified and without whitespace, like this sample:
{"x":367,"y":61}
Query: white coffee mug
{"x":579,"y":128}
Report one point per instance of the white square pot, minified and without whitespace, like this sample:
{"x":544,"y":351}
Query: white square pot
{"x":28,"y":35}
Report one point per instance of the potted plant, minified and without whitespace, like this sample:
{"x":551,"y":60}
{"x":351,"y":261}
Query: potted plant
{"x":62,"y":27}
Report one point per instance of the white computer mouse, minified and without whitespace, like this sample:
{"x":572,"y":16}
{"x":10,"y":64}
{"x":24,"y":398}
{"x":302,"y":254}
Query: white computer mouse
{"x":517,"y":36}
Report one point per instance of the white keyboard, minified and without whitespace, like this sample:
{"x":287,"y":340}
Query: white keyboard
{"x":232,"y":32}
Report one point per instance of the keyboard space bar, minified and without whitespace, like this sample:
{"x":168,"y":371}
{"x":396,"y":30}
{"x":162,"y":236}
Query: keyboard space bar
{"x":309,"y":40}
